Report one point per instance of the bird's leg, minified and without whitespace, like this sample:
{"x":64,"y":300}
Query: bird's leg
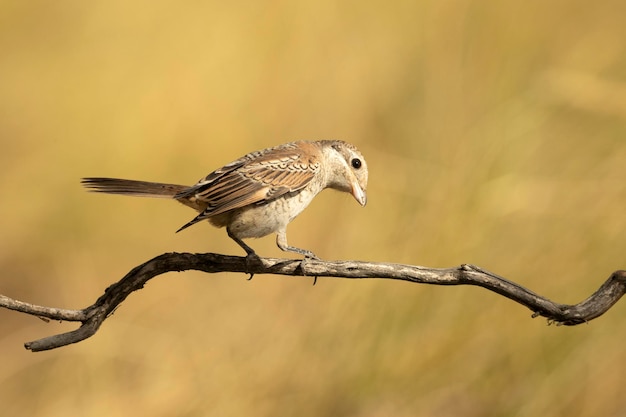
{"x":281,"y":242}
{"x":251,"y":254}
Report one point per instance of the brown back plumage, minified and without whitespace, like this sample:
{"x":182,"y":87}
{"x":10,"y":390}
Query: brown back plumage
{"x":255,"y":178}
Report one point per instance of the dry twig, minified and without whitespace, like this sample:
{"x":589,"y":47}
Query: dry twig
{"x":93,"y":316}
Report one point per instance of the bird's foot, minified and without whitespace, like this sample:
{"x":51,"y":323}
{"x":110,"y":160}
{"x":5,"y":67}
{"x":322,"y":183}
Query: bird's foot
{"x":281,"y":241}
{"x":308,"y":256}
{"x":251,"y":259}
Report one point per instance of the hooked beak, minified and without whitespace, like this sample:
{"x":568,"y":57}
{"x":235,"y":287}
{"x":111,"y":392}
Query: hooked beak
{"x":359,"y":194}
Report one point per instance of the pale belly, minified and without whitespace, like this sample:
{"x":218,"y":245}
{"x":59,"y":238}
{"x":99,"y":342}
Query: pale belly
{"x":262,"y":220}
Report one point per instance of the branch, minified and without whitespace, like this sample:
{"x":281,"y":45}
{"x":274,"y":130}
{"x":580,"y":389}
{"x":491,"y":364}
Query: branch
{"x":93,"y":316}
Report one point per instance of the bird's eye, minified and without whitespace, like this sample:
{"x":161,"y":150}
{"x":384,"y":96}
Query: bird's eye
{"x":356,"y":163}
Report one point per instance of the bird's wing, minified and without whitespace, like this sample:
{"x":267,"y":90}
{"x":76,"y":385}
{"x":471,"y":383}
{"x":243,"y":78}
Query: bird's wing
{"x":257,"y":177}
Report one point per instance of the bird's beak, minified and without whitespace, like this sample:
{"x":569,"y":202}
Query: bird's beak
{"x":359,"y":194}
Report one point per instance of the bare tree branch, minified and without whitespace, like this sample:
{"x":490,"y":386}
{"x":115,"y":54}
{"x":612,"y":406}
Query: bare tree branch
{"x":93,"y":316}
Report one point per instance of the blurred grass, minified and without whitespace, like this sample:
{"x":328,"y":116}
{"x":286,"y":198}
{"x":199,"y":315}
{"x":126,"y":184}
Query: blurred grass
{"x":494,"y":132}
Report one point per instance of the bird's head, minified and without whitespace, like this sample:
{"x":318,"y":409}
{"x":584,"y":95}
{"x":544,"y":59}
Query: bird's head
{"x":347,"y":169}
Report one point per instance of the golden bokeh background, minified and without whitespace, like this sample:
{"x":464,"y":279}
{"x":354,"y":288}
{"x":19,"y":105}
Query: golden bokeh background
{"x":495,"y":134}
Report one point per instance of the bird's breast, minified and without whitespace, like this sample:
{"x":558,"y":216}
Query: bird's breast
{"x":264,"y":219}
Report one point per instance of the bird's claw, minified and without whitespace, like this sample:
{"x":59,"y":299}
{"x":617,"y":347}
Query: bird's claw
{"x":251,"y":257}
{"x":308,"y":255}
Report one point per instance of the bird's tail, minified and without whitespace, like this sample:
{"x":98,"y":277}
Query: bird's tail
{"x":132,"y":187}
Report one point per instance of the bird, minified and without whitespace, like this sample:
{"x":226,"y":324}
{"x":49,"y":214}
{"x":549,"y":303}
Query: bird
{"x":261,"y":192}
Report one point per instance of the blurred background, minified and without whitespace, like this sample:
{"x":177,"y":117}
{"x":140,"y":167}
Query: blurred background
{"x":495,"y":135}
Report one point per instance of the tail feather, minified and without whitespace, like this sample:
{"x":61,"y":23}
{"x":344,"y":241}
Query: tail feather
{"x":132,"y":187}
